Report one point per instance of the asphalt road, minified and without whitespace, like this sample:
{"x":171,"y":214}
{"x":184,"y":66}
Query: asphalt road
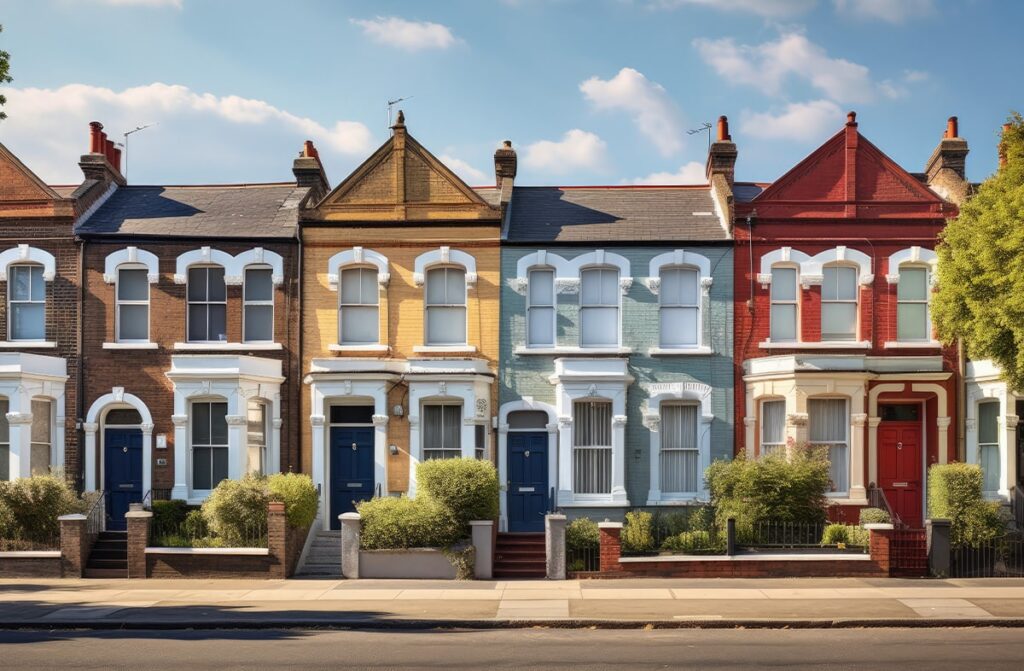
{"x":904,"y":649}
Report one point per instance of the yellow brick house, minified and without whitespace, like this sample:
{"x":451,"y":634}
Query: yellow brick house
{"x":400,"y":318}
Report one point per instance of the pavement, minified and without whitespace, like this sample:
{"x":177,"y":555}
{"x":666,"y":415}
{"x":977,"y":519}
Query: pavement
{"x":715,"y":603}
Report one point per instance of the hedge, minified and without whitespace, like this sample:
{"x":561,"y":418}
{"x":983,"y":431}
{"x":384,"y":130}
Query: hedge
{"x":398,"y":523}
{"x":29,"y":507}
{"x":955,"y":494}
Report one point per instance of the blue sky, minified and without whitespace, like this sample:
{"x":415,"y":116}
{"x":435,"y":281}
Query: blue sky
{"x":589,"y":91}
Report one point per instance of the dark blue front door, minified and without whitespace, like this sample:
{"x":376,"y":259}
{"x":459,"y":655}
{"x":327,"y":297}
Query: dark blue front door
{"x":527,"y":481}
{"x":122,"y":473}
{"x":351,"y":469}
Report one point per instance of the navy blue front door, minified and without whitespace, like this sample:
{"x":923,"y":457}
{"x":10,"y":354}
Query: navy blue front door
{"x":351,"y":469}
{"x":122,"y":473}
{"x":527,"y":481}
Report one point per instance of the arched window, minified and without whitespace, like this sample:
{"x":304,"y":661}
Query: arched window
{"x":358,"y":308}
{"x":784,"y":297}
{"x":599,"y":307}
{"x":446,"y":305}
{"x":207,"y":304}
{"x":26,"y":302}
{"x":540,"y":307}
{"x":132,"y":303}
{"x":258,"y":305}
{"x":839,"y":303}
{"x":680,"y":297}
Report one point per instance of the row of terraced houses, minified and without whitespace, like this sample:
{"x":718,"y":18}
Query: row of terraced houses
{"x":600,"y":344}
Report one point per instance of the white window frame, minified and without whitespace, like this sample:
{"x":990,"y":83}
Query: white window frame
{"x":120,"y":302}
{"x":829,"y":443}
{"x":678,"y":393}
{"x":11,"y":301}
{"x":6,"y":460}
{"x":50,"y":457}
{"x":189,"y":303}
{"x":795,"y":302}
{"x":427,"y":305}
{"x":226,"y":446}
{"x":246,"y":302}
{"x":927,"y":302}
{"x":662,"y":449}
{"x":265,"y":447}
{"x":841,"y":301}
{"x":595,"y":448}
{"x":602,"y":306}
{"x":697,"y":305}
{"x":772,"y":446}
{"x":456,"y":452}
{"x":996,"y":445}
{"x":682,"y":259}
{"x":553,"y":306}
{"x":341,"y":305}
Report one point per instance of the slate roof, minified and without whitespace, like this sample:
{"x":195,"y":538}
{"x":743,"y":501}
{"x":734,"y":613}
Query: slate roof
{"x":609,"y":213}
{"x":491,"y":194}
{"x":222,"y":211}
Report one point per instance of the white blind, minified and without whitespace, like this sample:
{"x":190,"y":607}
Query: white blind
{"x":839,"y":304}
{"x":680,"y":458}
{"x":446,"y":306}
{"x":988,"y":443}
{"x":592,"y":447}
{"x":358,"y":314}
{"x":442,"y":431}
{"x":912,"y":305}
{"x":599,"y":307}
{"x":773,"y":427}
{"x":783,"y":310}
{"x":680,"y":307}
{"x":829,"y":426}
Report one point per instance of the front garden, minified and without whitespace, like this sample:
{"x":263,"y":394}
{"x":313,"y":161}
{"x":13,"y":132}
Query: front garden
{"x":30,"y":508}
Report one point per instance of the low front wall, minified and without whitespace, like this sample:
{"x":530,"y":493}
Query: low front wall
{"x":210,"y":563}
{"x":414,"y":563}
{"x":31,"y":565}
{"x":749,"y":566}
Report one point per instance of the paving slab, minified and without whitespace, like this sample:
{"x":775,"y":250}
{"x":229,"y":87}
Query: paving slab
{"x":945,"y":608}
{"x":731,"y":594}
{"x":623,"y":594}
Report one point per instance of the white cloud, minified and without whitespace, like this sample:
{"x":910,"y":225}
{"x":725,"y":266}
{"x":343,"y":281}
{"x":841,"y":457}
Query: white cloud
{"x":767,"y":66}
{"x":176,"y":4}
{"x":915,"y":76}
{"x":890,"y":11}
{"x":690,"y":173}
{"x":647,"y":102}
{"x":578,"y":149}
{"x":409,"y":35}
{"x":807,"y":122}
{"x":766,"y":8}
{"x":199,"y":136}
{"x":468,"y":173}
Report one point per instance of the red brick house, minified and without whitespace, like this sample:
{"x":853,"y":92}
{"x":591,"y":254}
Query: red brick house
{"x":191,"y":331}
{"x":834,"y":269}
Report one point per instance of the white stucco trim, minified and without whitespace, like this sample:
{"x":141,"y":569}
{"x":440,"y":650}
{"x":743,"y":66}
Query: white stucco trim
{"x":782,"y":256}
{"x":358,"y":256}
{"x":236,"y":380}
{"x":541,"y":259}
{"x":524,"y":405}
{"x":234,"y":266}
{"x":444,"y":256}
{"x":24,"y":377}
{"x":117,"y":398}
{"x":911,"y":255}
{"x":132,"y":255}
{"x":27,"y":254}
{"x":674,"y":392}
{"x":600,"y":257}
{"x":678,"y":257}
{"x":811,"y":267}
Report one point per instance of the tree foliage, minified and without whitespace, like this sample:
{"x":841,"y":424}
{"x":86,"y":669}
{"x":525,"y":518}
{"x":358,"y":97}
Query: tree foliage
{"x":981,"y":268}
{"x":5,"y":77}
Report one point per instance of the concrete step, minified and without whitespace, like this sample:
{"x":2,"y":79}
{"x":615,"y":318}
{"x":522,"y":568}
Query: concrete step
{"x":105,"y":573}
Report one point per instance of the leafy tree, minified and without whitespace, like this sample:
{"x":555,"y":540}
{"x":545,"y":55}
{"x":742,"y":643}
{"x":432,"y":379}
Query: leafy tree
{"x":980,"y":298}
{"x":5,"y":77}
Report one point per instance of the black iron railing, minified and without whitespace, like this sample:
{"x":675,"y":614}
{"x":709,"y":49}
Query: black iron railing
{"x":997,"y":558}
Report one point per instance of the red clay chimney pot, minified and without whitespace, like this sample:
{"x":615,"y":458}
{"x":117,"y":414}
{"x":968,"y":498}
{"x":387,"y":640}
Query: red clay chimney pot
{"x":309,"y":150}
{"x":851,"y":118}
{"x":117,"y":159}
{"x":95,"y":140}
{"x":952,"y":128}
{"x":723,"y":129}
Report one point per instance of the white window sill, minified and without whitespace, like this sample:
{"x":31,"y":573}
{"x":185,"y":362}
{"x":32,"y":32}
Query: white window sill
{"x":585,"y":351}
{"x":604,"y":503}
{"x":690,"y":500}
{"x":27,"y":344}
{"x":917,"y":344}
{"x":444,"y":349}
{"x":207,"y":551}
{"x":226,"y":346}
{"x":130,"y":345}
{"x":358,"y":348}
{"x":845,"y":500}
{"x":679,"y":351}
{"x":856,"y":345}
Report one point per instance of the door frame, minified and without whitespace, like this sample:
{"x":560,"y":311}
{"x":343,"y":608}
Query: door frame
{"x":503,"y":430}
{"x":923,"y":426}
{"x":377,"y":481}
{"x":549,"y":494}
{"x":94,"y":422}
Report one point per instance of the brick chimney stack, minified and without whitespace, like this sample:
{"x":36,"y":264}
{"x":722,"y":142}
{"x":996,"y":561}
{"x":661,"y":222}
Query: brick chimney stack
{"x":505,"y":165}
{"x":946,"y":170}
{"x":722,"y":154}
{"x":309,"y":172}
{"x":103,"y":162}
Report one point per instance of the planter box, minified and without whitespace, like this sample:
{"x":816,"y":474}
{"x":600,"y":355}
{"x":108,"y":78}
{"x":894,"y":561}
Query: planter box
{"x":414,"y":563}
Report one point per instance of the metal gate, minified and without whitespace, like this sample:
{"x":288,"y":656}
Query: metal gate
{"x":997,"y":558}
{"x":908,"y":553}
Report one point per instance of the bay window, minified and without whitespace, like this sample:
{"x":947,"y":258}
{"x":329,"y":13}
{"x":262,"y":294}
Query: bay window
{"x":41,"y":436}
{"x":442,"y":431}
{"x":680,"y":457}
{"x":256,"y":436}
{"x":592,"y":447}
{"x":988,"y":443}
{"x":773,"y":427}
{"x":209,"y":444}
{"x":829,"y":425}
{"x":5,"y":441}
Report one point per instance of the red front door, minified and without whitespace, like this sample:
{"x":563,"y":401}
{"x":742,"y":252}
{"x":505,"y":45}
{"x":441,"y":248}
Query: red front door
{"x":899,"y":469}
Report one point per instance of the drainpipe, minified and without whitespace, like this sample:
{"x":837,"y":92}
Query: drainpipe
{"x":296,"y":432}
{"x":961,"y":402}
{"x":80,"y":364}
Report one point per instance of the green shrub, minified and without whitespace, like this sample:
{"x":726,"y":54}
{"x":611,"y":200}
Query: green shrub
{"x":637,"y":533}
{"x":299,"y":495}
{"x":874,"y":516}
{"x":671,"y":523}
{"x":34,"y":504}
{"x":168,"y":514}
{"x":399,"y":523}
{"x":955,"y":494}
{"x":8,"y":525}
{"x":770,"y":488}
{"x":702,"y":519}
{"x":694,"y":542}
{"x":194,"y":524}
{"x":236,"y":510}
{"x":467,"y":488}
{"x":847,"y":534}
{"x":582,"y":534}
